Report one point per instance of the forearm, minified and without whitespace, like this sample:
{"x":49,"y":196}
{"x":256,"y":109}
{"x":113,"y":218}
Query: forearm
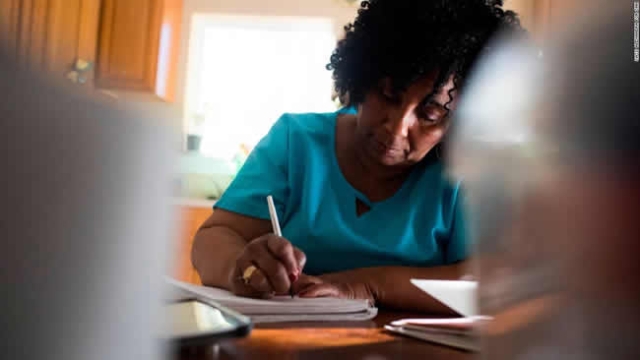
{"x":213,"y":254}
{"x":391,"y":286}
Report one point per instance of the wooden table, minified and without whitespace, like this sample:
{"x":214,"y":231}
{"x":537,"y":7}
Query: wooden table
{"x":364,"y":340}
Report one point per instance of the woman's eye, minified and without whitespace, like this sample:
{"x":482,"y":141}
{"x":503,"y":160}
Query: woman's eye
{"x":430,"y":119}
{"x":432,"y":114}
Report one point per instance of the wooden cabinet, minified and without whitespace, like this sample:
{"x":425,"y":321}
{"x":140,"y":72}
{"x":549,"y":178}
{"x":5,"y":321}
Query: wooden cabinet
{"x":138,"y":46}
{"x":133,"y":44}
{"x":50,"y":35}
{"x":190,"y":219}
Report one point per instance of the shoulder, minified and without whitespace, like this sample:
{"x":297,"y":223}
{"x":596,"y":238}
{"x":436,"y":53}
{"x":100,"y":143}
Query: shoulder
{"x":295,"y":134}
{"x":296,"y":128}
{"x":306,"y":124}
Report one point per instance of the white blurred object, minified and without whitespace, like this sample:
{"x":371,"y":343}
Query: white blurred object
{"x":554,"y":213}
{"x":499,"y":104}
{"x":85,"y":224}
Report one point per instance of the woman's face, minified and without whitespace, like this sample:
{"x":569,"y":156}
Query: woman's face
{"x":400,"y":129}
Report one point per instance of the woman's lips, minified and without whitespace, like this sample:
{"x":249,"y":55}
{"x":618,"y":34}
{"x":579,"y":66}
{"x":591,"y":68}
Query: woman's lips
{"x":385,"y":149}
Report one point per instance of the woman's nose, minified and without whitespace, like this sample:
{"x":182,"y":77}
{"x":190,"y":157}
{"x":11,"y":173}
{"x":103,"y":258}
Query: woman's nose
{"x":399,"y":122}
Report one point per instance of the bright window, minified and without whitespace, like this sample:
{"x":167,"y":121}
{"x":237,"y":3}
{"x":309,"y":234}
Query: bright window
{"x":244,"y":72}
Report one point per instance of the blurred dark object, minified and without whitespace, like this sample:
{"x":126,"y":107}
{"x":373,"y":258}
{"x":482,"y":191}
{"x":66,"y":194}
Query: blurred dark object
{"x":549,"y":150}
{"x":193,"y":142}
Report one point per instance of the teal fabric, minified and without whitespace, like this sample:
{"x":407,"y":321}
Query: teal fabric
{"x":421,"y":225}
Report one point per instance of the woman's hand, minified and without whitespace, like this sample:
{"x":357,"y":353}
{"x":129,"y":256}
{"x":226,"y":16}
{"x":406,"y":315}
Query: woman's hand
{"x":277,"y":265}
{"x":329,"y":286}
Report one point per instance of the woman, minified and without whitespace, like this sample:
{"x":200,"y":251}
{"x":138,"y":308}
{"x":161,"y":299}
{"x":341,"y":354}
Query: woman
{"x":362,"y":198}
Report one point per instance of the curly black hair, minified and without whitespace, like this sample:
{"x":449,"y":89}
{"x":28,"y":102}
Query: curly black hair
{"x":404,"y":40}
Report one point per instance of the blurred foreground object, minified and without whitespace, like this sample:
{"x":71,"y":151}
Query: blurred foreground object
{"x":85,"y":207}
{"x":550,"y":152}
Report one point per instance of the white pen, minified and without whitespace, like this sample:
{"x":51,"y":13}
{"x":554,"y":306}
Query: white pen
{"x":275,"y":224}
{"x":274,"y":216}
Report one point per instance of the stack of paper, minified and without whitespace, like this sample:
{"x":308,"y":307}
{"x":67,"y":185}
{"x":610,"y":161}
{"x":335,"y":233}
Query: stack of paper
{"x":460,"y":332}
{"x":283,"y":308}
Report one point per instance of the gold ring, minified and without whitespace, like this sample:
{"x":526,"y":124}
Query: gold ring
{"x":246,"y":275}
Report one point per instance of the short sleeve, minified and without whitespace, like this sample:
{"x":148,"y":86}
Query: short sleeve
{"x":459,"y":244}
{"x":265,"y":172}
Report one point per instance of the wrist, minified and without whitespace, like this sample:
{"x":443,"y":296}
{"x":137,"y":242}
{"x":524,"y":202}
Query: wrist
{"x":230,"y":270}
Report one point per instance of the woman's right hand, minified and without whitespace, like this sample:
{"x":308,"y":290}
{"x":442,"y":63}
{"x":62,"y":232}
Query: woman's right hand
{"x":278,"y":264}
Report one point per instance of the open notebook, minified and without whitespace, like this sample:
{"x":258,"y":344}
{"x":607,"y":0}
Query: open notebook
{"x":283,"y":308}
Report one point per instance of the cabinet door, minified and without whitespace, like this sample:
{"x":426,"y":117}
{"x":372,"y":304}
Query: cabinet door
{"x":128,"y":45}
{"x":138,"y":45}
{"x":50,"y":35}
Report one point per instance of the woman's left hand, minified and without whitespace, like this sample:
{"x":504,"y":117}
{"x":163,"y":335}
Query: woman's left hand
{"x":325,"y":286}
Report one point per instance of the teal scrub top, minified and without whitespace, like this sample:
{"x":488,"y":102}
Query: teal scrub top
{"x":421,"y":225}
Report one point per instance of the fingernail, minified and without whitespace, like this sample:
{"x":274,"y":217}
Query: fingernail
{"x":293,"y":277}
